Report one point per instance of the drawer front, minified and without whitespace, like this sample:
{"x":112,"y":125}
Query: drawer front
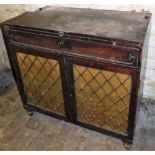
{"x":107,"y":53}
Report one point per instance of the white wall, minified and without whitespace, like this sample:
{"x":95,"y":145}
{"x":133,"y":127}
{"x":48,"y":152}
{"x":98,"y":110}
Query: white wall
{"x":7,"y":12}
{"x":149,"y":87}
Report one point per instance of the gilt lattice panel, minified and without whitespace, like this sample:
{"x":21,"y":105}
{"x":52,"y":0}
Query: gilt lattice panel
{"x":42,"y":82}
{"x":102,"y":98}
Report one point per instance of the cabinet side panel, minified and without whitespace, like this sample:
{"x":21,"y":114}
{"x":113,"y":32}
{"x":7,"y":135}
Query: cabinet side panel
{"x":143,"y":66}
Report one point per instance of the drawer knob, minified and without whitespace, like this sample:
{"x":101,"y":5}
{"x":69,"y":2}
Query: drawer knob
{"x":61,"y":43}
{"x":11,"y":37}
{"x":64,"y":44}
{"x":131,"y":57}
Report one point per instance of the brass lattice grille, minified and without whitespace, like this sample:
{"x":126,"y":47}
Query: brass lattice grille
{"x":42,"y":82}
{"x":102,"y":98}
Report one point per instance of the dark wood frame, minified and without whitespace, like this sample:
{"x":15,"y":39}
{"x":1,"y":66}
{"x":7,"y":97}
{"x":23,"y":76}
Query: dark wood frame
{"x":66,"y":61}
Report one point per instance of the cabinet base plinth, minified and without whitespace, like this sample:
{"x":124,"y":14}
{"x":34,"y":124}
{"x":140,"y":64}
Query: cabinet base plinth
{"x":127,"y":144}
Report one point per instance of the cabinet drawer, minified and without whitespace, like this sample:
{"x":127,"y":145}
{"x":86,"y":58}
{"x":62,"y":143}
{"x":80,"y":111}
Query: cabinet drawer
{"x":66,"y":45}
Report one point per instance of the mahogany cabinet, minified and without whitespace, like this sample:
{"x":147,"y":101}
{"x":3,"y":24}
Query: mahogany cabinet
{"x":82,"y":65}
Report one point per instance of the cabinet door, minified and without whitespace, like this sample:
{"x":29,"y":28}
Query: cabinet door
{"x":102,"y":98}
{"x":42,"y":82}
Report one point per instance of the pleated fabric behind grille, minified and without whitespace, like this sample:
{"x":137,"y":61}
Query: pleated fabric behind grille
{"x":42,"y":82}
{"x":102,"y":98}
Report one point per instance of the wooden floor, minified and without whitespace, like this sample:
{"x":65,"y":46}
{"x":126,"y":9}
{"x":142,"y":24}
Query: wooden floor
{"x":19,"y":131}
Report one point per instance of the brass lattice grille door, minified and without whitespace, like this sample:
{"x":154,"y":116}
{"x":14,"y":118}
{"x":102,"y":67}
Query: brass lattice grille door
{"x":42,"y":82}
{"x":102,"y":98}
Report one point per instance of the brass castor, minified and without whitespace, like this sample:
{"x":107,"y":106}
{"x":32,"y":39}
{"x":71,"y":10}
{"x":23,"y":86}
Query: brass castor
{"x":30,"y":113}
{"x":127,"y":144}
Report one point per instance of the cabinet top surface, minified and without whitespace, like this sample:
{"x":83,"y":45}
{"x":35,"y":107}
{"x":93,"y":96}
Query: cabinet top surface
{"x":124,"y":25}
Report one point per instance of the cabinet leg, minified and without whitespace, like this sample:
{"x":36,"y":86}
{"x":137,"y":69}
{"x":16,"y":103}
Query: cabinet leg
{"x":127,"y":144}
{"x":29,"y":112}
